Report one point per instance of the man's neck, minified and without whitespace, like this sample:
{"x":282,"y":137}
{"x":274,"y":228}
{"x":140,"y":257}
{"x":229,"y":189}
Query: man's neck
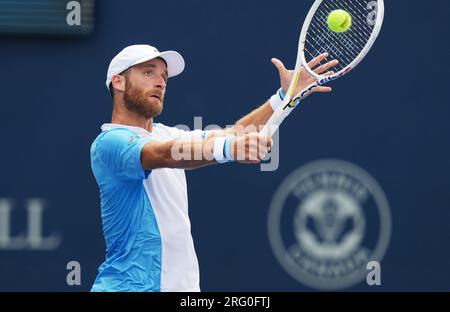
{"x":122,"y":116}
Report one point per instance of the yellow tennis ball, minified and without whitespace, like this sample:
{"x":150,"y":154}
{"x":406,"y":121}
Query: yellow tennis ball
{"x":339,"y":21}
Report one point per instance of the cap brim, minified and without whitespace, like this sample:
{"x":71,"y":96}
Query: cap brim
{"x":174,"y":60}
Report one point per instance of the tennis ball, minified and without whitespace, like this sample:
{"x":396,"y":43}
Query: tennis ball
{"x":339,"y":21}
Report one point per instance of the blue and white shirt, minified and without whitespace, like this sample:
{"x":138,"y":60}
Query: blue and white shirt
{"x":149,"y":245}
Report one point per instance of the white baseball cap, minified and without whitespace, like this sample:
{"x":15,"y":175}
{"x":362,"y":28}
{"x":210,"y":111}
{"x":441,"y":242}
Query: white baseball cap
{"x":140,"y":53}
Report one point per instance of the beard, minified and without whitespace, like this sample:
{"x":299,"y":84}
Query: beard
{"x":143,"y":103}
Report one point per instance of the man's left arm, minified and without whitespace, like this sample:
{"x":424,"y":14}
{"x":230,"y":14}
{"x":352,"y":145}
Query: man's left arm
{"x":259,"y":117}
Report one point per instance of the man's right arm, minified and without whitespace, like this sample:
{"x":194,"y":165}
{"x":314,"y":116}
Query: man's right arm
{"x":196,"y":153}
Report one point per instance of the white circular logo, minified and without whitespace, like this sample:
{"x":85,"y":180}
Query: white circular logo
{"x":327,"y":220}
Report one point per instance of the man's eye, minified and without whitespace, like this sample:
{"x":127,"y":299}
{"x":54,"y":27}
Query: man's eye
{"x":148,"y":73}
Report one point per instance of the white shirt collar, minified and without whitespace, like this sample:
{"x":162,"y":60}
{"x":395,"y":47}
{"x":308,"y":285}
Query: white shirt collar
{"x":137,"y":130}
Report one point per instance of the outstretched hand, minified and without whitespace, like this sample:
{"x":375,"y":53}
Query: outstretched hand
{"x":305,"y":78}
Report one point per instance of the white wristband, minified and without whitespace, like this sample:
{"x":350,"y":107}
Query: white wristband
{"x":276,"y":100}
{"x":218,"y":153}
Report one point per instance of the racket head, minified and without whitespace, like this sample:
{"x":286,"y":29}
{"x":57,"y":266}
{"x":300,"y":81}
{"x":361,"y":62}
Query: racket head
{"x":350,"y":47}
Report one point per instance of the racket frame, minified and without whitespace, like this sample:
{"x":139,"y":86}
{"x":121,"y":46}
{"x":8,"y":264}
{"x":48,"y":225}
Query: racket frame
{"x":290,"y":102}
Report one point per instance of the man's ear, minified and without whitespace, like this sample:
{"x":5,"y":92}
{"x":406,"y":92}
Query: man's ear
{"x":118,"y":82}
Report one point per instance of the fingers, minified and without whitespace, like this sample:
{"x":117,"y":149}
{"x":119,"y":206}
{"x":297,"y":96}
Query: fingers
{"x":265,"y":146}
{"x":278,"y":64}
{"x":317,"y":60}
{"x":326,"y":66}
{"x":319,"y":89}
{"x":323,"y":89}
{"x":256,"y":147}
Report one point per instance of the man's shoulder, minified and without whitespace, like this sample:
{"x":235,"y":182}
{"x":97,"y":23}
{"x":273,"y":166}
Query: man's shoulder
{"x":160,"y":129}
{"x":161,"y":126}
{"x":113,"y":137}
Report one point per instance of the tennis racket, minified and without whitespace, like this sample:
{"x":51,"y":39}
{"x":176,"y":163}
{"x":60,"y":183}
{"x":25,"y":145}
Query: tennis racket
{"x":349,"y":48}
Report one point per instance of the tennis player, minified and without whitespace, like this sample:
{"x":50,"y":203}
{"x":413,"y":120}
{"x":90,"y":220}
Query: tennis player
{"x":140,"y":174}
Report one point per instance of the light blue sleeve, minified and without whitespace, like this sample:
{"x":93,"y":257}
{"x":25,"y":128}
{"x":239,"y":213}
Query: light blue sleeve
{"x":119,"y":151}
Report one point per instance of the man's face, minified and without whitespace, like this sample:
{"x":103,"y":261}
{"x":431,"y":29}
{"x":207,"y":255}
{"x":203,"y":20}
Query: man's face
{"x":145,"y":86}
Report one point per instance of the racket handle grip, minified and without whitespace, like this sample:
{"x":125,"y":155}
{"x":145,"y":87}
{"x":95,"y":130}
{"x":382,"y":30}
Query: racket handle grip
{"x":274,"y":121}
{"x":284,"y":110}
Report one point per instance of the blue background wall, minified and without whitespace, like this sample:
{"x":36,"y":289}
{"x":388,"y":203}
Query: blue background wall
{"x":390,"y":116}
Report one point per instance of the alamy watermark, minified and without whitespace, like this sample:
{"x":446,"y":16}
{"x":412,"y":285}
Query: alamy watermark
{"x":74,"y":15}
{"x":373,"y":278}
{"x":73,"y":278}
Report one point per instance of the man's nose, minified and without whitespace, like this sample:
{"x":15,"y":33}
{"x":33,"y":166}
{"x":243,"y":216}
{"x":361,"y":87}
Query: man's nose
{"x":161,"y":83}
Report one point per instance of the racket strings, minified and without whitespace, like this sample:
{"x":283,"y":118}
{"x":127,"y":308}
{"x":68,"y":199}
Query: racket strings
{"x":350,"y":41}
{"x":356,"y":13}
{"x":342,"y":47}
{"x":353,"y":33}
{"x":345,"y":47}
{"x":359,"y":17}
{"x":321,"y":42}
{"x":324,"y":44}
{"x":328,"y":43}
